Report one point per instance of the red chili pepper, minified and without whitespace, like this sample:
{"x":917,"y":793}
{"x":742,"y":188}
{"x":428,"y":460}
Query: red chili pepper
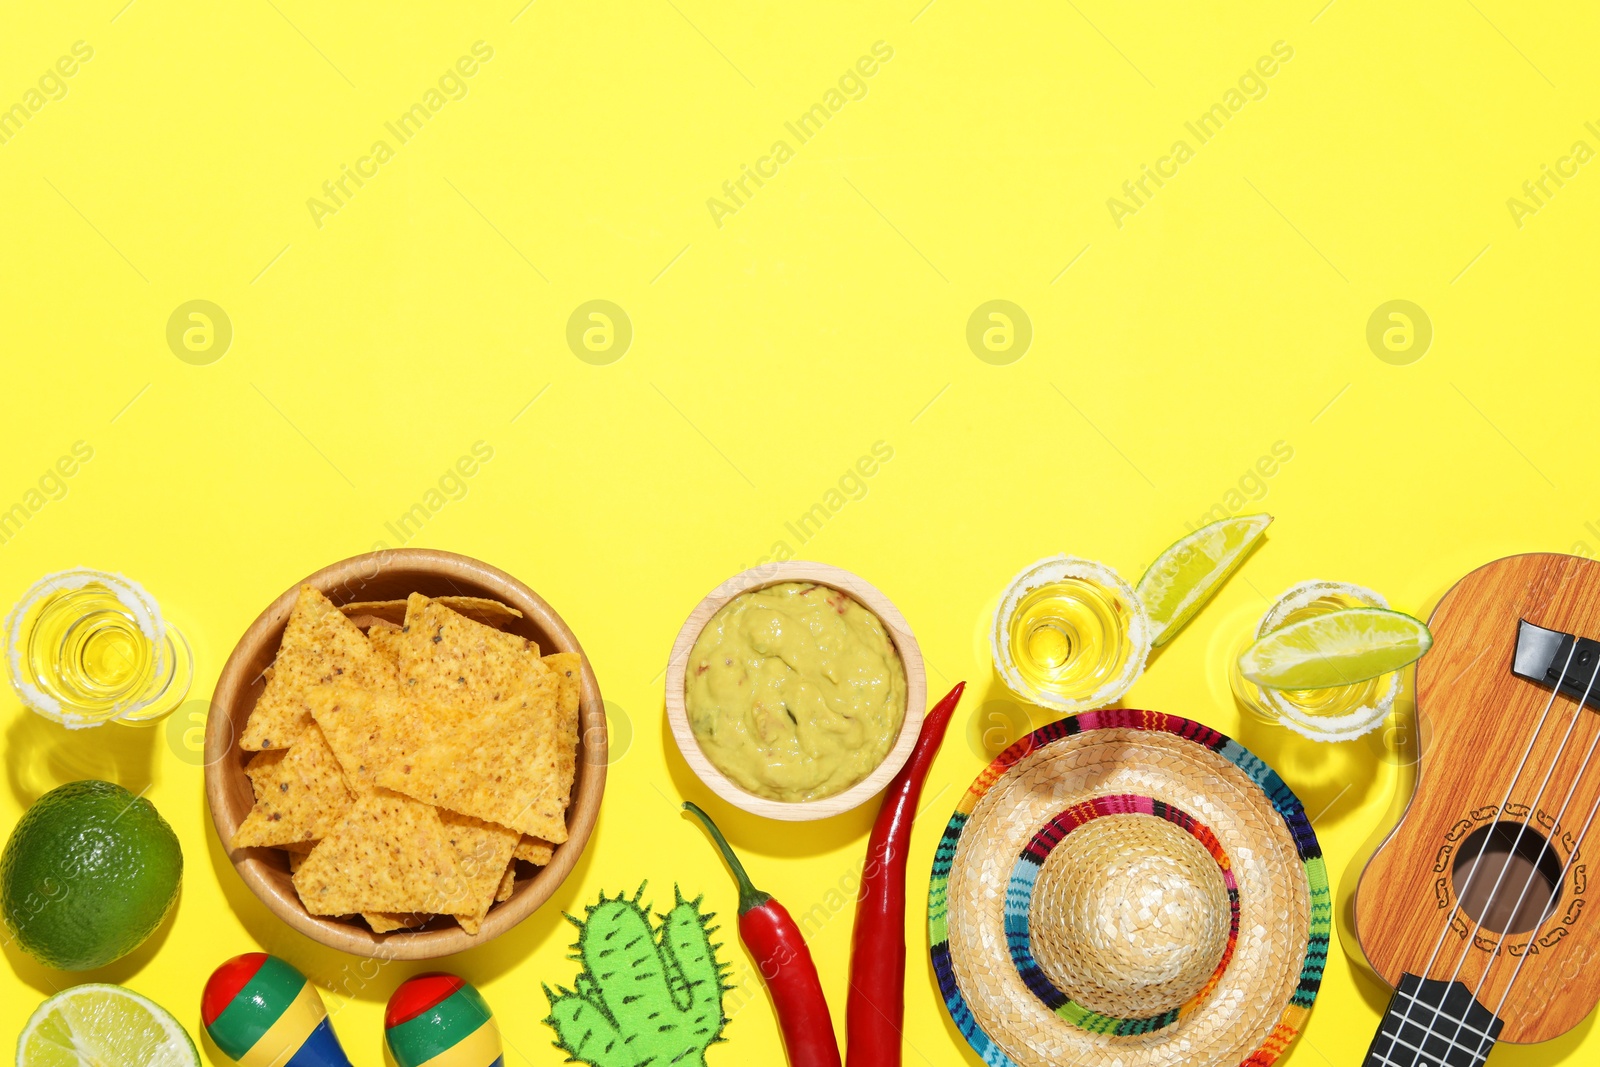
{"x":775,"y":940}
{"x":876,"y":1010}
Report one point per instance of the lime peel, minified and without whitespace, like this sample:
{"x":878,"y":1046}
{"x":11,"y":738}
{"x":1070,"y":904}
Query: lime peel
{"x":1185,"y":577}
{"x":1338,"y":648}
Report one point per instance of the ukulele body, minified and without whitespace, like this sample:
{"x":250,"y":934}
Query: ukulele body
{"x":1482,"y":718}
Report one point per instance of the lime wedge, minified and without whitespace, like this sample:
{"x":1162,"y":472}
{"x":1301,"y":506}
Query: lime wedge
{"x":104,"y":1026}
{"x":1338,"y":648}
{"x":1188,"y":574}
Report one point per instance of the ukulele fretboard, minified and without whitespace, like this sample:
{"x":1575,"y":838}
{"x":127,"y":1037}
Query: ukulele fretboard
{"x":1433,"y":1024}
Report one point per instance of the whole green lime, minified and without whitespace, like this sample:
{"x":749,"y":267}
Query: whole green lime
{"x":89,"y":873}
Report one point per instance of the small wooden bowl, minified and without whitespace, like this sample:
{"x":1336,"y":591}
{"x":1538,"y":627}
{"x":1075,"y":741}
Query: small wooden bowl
{"x":904,"y":643}
{"x":393,"y":574}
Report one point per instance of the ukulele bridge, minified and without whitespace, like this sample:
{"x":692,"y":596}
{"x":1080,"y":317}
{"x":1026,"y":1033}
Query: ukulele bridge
{"x":1548,"y":658}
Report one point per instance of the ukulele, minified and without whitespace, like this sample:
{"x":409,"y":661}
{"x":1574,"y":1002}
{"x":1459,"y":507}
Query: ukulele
{"x":1476,"y":907}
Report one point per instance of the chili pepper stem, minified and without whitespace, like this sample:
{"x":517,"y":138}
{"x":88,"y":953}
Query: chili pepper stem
{"x":749,"y":895}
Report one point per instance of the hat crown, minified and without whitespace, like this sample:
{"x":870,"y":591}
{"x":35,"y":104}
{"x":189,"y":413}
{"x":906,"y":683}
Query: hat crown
{"x":1130,"y":916}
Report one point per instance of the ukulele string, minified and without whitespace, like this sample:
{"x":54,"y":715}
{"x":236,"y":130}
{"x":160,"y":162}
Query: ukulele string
{"x":1477,"y":865}
{"x":1522,"y":830}
{"x":1566,"y":868}
{"x":1516,"y":844}
{"x":1516,"y":973}
{"x":1572,"y":857}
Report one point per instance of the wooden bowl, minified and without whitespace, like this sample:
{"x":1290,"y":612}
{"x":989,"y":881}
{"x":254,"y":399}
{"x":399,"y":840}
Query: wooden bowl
{"x":393,"y":574}
{"x":894,"y":625}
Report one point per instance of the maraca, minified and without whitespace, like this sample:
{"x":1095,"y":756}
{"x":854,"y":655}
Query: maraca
{"x":262,"y":1012}
{"x":441,"y":1021}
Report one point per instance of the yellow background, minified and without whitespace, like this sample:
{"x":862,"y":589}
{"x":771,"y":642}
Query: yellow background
{"x":1229,"y":313}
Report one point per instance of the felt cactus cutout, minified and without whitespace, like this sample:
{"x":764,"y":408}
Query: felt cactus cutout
{"x":648,"y":995}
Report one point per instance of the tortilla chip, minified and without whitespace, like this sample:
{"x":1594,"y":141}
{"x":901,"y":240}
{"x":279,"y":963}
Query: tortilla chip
{"x":265,"y":758}
{"x":507,"y":883}
{"x":364,"y":727}
{"x":568,"y":668}
{"x":483,"y":851}
{"x":441,"y":620}
{"x":365,"y":623}
{"x":302,"y":847}
{"x":482,"y":731}
{"x":260,"y":767}
{"x":319,"y":645}
{"x":393,"y":611}
{"x":534,"y":851}
{"x":384,"y":640}
{"x":301,"y":798}
{"x":480,"y":609}
{"x":388,"y":854}
{"x":477,"y":608}
{"x":386,"y":922}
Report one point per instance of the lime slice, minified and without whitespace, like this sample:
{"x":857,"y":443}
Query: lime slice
{"x":104,"y":1026}
{"x":1188,"y":574}
{"x":1339,"y":648}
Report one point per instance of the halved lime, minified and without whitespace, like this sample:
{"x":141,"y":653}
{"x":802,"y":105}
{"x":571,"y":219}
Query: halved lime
{"x":104,"y":1026}
{"x":1189,"y":573}
{"x":1338,"y":648}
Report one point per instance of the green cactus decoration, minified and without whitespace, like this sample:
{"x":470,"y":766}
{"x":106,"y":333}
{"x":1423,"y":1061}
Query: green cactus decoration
{"x":647,"y":996}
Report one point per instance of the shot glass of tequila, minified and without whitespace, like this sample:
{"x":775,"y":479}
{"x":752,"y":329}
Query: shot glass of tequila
{"x":1342,"y":713}
{"x":1070,"y":634}
{"x":86,"y":647}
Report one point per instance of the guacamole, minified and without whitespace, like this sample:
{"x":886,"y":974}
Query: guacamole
{"x":795,"y":691}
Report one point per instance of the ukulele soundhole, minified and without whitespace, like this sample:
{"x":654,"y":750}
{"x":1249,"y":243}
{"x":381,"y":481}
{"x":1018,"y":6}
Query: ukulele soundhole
{"x":1517,"y":883}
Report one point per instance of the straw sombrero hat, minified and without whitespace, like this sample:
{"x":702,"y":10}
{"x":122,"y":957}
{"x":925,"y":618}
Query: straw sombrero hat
{"x":1130,"y":889}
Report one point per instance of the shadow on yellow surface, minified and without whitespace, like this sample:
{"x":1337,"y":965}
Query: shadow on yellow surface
{"x":1325,"y":776}
{"x":997,"y":720}
{"x":41,"y":755}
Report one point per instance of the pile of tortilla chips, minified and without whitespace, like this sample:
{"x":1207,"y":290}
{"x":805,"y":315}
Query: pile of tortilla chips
{"x":408,"y":754}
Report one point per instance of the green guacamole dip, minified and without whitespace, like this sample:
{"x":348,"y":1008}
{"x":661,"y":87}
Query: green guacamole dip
{"x":795,"y":691}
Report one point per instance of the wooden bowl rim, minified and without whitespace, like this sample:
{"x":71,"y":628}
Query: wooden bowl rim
{"x":871,"y":598}
{"x":222,"y":734}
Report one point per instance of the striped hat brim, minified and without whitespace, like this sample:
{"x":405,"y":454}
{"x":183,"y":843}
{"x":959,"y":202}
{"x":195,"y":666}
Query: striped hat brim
{"x":1126,"y":761}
